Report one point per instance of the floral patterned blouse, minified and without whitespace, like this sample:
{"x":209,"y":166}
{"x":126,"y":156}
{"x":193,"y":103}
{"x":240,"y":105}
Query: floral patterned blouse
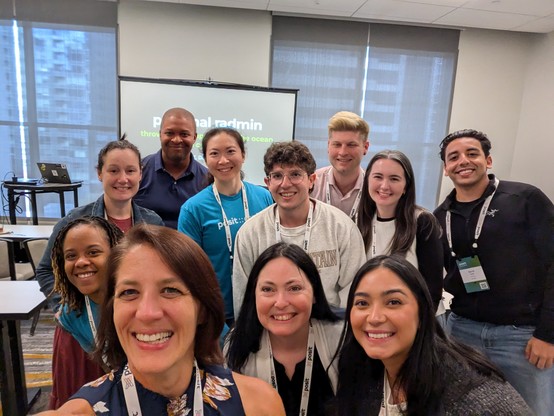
{"x":219,"y":391}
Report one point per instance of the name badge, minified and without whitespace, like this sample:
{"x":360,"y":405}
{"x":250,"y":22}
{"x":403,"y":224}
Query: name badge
{"x":472,"y":274}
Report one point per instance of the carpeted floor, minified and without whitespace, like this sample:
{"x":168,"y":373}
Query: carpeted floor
{"x":37,"y":354}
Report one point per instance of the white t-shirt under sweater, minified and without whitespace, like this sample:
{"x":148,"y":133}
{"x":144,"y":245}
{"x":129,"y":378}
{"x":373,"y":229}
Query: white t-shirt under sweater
{"x":384,"y":231}
{"x":336,"y":247}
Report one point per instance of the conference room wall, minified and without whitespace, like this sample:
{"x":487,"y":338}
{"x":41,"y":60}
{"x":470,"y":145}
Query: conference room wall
{"x":499,"y":76}
{"x":179,"y":41}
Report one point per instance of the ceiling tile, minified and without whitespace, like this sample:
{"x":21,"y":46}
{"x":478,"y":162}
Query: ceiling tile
{"x":341,"y":8}
{"x":543,"y":25}
{"x":397,"y":10}
{"x":484,"y":19}
{"x":539,"y":8}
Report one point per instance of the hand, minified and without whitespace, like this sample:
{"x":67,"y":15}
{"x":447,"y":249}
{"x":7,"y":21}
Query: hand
{"x":540,"y":353}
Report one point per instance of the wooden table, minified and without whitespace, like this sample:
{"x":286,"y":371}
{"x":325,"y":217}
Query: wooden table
{"x":19,"y":300}
{"x":17,"y":189}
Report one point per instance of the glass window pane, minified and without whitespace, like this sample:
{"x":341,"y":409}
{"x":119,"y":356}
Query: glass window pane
{"x":61,"y":104}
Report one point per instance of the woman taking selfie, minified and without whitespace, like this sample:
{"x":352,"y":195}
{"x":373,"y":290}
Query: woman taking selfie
{"x":159,"y":330}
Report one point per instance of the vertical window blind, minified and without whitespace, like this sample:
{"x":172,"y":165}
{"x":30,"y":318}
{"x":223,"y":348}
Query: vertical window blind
{"x":398,"y":78}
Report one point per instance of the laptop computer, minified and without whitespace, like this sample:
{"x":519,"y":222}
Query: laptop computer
{"x":54,"y":172}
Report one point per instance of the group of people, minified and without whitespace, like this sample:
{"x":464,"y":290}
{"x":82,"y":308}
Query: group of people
{"x":330,"y":281}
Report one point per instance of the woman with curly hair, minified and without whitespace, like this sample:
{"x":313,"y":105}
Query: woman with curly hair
{"x":79,"y":258}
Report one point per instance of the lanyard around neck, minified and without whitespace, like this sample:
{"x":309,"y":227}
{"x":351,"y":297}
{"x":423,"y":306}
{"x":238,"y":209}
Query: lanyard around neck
{"x":90,"y":318}
{"x":354,"y":210}
{"x":374,"y":237}
{"x":132,"y":400}
{"x":226,"y":225}
{"x":307,"y":371}
{"x":480,"y":221}
{"x":307,"y":233}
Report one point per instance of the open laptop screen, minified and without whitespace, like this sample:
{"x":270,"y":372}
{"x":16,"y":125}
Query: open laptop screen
{"x":54,"y":172}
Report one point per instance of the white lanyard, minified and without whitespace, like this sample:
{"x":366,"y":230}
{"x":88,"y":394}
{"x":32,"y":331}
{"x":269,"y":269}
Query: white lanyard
{"x":354,"y":210}
{"x":306,"y":242}
{"x":307,"y":371}
{"x":226,"y":222}
{"x":480,"y":221}
{"x":374,"y":236}
{"x":90,"y":318}
{"x":131,"y":396}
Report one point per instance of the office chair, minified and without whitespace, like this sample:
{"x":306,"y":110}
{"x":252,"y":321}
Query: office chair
{"x":35,"y":248}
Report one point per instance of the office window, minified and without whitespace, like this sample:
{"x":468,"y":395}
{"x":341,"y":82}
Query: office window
{"x":399,"y":78}
{"x":60,"y":100}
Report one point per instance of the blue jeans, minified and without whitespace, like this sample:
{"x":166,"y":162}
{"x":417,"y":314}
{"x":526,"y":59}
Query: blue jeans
{"x":505,"y":346}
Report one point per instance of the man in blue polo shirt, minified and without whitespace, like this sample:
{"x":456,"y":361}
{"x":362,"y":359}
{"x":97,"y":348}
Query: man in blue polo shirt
{"x":171,"y":176}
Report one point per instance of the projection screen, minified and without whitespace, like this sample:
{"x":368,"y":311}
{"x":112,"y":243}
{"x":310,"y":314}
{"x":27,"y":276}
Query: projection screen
{"x":262,"y":115}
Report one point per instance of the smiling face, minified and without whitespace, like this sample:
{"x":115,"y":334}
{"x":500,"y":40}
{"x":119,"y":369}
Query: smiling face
{"x":346,"y":150}
{"x":120,"y":174}
{"x":384,"y":317}
{"x":224,"y":157}
{"x":386,"y":185}
{"x":289,"y":196}
{"x":465,"y":163}
{"x":177,"y":136}
{"x":155,"y":316}
{"x":85,"y":250}
{"x":284,"y":298}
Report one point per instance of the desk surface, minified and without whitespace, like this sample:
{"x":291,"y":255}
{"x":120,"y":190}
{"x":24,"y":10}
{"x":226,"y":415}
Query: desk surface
{"x":43,"y":186}
{"x":20,"y":299}
{"x":16,"y":232}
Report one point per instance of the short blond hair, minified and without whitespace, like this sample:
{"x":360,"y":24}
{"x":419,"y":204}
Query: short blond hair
{"x":348,"y":121}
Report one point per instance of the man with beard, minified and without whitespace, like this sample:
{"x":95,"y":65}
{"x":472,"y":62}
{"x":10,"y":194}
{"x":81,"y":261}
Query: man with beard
{"x":171,"y":175}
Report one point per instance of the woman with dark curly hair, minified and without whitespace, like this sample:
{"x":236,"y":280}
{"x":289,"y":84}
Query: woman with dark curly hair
{"x":79,"y":257}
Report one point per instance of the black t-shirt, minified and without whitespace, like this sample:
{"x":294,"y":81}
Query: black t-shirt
{"x":291,"y":390}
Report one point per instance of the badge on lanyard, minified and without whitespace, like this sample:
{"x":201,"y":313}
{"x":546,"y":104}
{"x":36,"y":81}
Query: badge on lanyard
{"x":472,"y":274}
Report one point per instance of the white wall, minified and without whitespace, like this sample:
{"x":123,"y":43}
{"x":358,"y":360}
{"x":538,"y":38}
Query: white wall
{"x":505,"y":88}
{"x":488,"y":92}
{"x":534,"y":150}
{"x":178,"y":41}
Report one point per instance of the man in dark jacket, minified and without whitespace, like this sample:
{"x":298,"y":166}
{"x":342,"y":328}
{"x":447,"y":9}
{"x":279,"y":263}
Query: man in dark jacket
{"x":499,"y":252}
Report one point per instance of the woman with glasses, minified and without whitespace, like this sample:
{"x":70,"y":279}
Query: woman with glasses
{"x":214,"y":215}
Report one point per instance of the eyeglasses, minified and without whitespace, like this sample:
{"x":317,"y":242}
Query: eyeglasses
{"x":276,"y":178}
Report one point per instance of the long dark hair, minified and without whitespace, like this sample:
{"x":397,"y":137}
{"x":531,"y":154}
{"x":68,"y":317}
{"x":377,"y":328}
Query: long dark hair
{"x":406,"y":221}
{"x":245,"y":336}
{"x":70,"y":295}
{"x":422,"y":376}
{"x":184,"y":257}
